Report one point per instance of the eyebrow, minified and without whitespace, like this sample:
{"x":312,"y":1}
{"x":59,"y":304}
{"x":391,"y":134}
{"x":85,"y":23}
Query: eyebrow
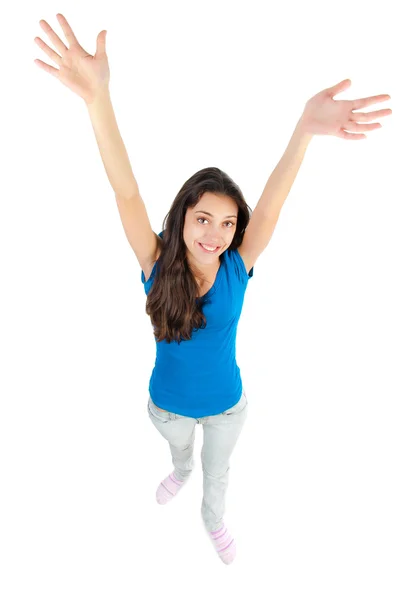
{"x":210,"y":215}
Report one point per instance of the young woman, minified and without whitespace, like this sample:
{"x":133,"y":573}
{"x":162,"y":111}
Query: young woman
{"x":196,"y":271}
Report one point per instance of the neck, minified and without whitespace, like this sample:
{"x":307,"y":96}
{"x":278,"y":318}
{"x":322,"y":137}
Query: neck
{"x":201,"y":270}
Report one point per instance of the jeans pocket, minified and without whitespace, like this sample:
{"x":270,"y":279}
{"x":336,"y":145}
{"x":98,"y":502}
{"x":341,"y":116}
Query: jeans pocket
{"x":154,"y":412}
{"x":237,"y":408}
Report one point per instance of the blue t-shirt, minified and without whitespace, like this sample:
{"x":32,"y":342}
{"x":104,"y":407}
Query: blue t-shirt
{"x":200,"y":377}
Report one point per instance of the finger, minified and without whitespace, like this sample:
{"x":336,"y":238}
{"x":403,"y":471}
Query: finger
{"x":338,"y":88}
{"x":376,"y":114}
{"x":352,"y":126}
{"x":49,"y":51}
{"x":61,"y":47}
{"x":46,"y":67}
{"x":67,"y":30}
{"x":362,"y":102}
{"x":350,"y":136}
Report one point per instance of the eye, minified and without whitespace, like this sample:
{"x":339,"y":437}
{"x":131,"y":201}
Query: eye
{"x":201,"y":218}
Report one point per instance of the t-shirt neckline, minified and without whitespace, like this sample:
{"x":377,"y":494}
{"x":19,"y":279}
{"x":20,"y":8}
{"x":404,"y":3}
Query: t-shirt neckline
{"x":216,"y":281}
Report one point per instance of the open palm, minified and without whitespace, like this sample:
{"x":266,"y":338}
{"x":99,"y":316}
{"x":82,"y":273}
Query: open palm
{"x":86,"y":75}
{"x":325,"y":116}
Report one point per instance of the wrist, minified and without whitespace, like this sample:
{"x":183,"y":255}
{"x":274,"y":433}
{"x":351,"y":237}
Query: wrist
{"x":97,"y":98}
{"x":302,"y":132}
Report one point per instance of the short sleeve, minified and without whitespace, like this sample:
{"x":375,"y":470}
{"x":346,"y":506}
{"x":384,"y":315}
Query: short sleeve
{"x":153,"y":271}
{"x":241,"y":266}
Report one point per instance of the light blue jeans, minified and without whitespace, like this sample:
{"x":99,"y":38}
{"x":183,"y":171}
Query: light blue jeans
{"x":221,"y":433}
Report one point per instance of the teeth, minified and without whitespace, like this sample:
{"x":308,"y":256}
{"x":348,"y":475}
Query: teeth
{"x":209,"y":247}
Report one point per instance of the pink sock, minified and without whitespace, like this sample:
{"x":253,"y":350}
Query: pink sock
{"x":224,"y":543}
{"x":168,"y":488}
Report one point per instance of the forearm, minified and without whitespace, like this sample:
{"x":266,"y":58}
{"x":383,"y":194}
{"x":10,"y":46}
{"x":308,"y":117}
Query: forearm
{"x":282,"y":178}
{"x":111,"y":146}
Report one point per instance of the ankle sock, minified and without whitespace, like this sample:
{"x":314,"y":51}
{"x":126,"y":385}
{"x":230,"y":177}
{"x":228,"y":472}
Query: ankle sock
{"x":168,"y":488}
{"x":224,"y":544}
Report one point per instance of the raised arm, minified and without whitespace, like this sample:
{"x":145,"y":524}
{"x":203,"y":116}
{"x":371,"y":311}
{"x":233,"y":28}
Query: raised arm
{"x":88,"y":76}
{"x":143,"y":240}
{"x":322,"y":115}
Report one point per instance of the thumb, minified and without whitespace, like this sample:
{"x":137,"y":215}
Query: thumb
{"x":101,"y":43}
{"x":340,"y":87}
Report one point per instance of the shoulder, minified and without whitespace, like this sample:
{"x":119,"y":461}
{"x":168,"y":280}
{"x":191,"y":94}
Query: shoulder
{"x":247,"y":260}
{"x":240,"y":263}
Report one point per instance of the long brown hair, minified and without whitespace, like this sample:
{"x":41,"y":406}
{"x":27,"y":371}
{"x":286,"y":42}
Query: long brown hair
{"x":172,"y":303}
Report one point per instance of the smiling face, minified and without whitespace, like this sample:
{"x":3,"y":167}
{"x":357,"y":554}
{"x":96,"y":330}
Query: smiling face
{"x":211,"y":222}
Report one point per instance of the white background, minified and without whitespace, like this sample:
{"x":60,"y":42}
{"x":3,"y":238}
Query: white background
{"x":319,"y":491}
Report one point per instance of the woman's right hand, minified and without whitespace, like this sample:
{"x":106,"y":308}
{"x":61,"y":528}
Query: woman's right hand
{"x":86,"y":75}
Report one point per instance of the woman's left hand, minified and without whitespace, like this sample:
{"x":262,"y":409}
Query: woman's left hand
{"x":325,"y":116}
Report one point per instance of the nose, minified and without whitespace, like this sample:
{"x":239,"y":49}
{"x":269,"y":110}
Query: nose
{"x":216,"y":240}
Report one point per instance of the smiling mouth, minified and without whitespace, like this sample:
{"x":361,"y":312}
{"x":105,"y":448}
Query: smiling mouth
{"x":207,"y":249}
